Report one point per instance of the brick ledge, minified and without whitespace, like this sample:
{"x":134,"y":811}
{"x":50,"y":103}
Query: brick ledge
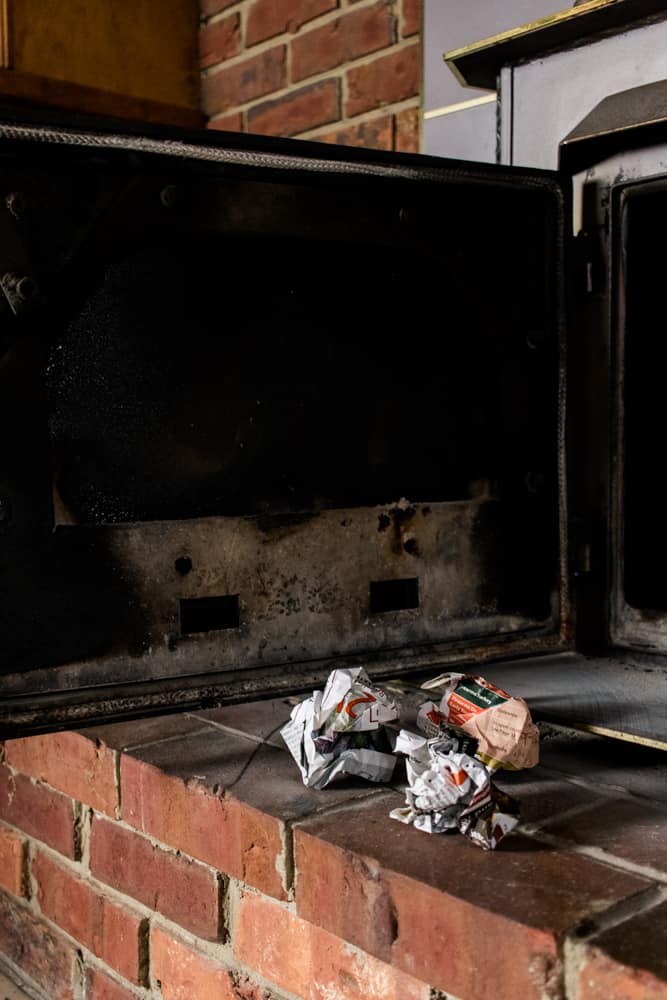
{"x":193,"y":846}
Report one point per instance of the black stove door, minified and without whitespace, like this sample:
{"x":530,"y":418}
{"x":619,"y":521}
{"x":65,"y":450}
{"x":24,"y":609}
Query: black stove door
{"x":269,"y":406}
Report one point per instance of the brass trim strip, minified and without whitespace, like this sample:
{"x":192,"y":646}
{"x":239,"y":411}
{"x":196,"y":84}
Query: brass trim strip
{"x":450,"y":109}
{"x":571,"y":14}
{"x":616,"y":734}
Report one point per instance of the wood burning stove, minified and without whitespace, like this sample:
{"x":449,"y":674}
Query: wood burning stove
{"x":231,"y":464}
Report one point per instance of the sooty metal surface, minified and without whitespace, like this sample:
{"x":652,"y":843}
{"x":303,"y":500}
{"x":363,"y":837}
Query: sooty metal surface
{"x":228,"y":454}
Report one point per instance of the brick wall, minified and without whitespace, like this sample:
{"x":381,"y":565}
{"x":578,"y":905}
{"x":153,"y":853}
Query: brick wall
{"x":182,"y":859}
{"x":343,"y":71}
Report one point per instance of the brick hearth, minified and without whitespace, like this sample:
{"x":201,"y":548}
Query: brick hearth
{"x":182,"y":858}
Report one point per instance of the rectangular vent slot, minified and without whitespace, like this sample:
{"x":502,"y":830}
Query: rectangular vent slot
{"x":394,"y":595}
{"x":209,"y":614}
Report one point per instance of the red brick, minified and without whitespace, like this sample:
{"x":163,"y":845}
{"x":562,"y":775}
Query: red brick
{"x":629,"y":961}
{"x":12,"y":850}
{"x":388,"y":79}
{"x":412,"y":17}
{"x":38,"y":811}
{"x":72,"y":763}
{"x":346,"y":38}
{"x":39,"y":952}
{"x":434,"y":938}
{"x":183,"y":974}
{"x":111,"y":932}
{"x":297,"y":112}
{"x":407,"y":131}
{"x":221,"y":831}
{"x":100,"y":987}
{"x":223,"y":799}
{"x":246,"y":989}
{"x":424,"y":902}
{"x":220,"y":40}
{"x":228,"y":123}
{"x":244,"y":81}
{"x":361,"y":908}
{"x":210,"y":7}
{"x":308,"y":961}
{"x":602,"y":979}
{"x":182,"y":890}
{"x":376,"y":134}
{"x":267,"y":18}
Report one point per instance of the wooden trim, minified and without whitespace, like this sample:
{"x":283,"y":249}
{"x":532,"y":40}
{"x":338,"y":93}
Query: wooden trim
{"x":38,"y":91}
{"x":5,"y":36}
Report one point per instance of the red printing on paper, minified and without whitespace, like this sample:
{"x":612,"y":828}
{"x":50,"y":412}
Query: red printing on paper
{"x":355,"y":701}
{"x":459,"y":777}
{"x":461,"y":710}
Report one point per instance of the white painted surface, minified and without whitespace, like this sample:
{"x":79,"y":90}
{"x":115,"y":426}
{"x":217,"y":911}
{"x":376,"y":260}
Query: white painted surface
{"x":464,"y":135}
{"x":553,"y":94}
{"x":447,"y":25}
{"x":451,"y":23}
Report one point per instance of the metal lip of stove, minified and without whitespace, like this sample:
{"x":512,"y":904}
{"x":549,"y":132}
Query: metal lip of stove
{"x":478,"y":64}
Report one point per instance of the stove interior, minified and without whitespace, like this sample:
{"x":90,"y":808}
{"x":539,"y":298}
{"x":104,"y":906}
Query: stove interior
{"x":274,"y":417}
{"x":644,"y":362}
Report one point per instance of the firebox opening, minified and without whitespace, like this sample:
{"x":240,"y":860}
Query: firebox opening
{"x":644,"y":353}
{"x":274,"y":383}
{"x":209,"y":614}
{"x":166,"y":406}
{"x":394,"y":595}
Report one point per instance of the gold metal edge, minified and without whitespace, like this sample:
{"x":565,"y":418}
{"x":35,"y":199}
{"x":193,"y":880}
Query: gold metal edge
{"x":616,"y":734}
{"x":571,"y":14}
{"x":450,"y":109}
{"x":611,"y":131}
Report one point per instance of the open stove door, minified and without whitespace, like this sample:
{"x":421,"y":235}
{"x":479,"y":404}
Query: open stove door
{"x":268,"y":406}
{"x":616,"y":682}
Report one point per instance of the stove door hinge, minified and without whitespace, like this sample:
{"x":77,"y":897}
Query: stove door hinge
{"x":19,"y":293}
{"x":580,"y":548}
{"x":581,"y":559}
{"x":590,"y":262}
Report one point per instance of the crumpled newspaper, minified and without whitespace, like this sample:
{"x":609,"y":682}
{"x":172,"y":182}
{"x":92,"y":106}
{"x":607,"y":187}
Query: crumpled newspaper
{"x":474,"y":729}
{"x":339,"y":732}
{"x":449,"y":790}
{"x":501,"y":725}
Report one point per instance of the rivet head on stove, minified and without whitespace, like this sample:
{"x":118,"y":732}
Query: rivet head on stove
{"x":26,"y":288}
{"x":20,"y":290}
{"x":16,"y":203}
{"x":169,"y":195}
